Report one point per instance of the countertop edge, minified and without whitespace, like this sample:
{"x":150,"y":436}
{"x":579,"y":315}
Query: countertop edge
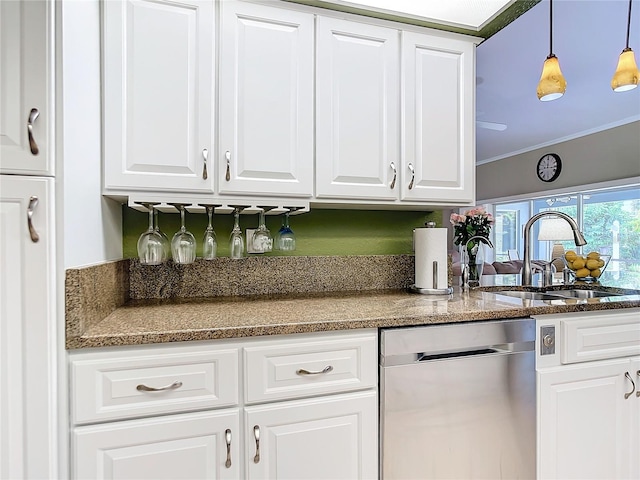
{"x":90,"y":340}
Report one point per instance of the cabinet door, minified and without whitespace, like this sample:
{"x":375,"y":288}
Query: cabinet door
{"x":190,"y":446}
{"x":25,"y":87}
{"x":266,"y":100}
{"x":584,"y":421}
{"x":27,"y":329}
{"x":634,"y":445}
{"x":314,"y":439}
{"x":438,"y":136}
{"x":158,"y":83}
{"x":357,"y":110}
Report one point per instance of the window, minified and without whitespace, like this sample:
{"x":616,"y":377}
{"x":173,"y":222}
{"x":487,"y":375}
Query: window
{"x":609,"y":220}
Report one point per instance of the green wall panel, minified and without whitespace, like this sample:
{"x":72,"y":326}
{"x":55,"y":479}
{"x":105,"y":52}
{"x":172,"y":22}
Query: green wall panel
{"x":319,"y":232}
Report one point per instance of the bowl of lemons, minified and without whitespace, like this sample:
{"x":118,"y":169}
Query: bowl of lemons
{"x":586,"y":268}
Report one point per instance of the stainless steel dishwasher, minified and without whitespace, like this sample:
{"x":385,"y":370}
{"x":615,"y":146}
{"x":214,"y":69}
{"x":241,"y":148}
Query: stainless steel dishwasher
{"x":458,"y":401}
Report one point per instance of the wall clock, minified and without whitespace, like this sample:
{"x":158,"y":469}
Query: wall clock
{"x":549,"y":167}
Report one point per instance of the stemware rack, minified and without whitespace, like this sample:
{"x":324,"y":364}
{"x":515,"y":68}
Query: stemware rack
{"x":246,"y":207}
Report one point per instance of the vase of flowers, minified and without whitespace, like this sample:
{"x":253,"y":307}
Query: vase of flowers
{"x":471,"y":230}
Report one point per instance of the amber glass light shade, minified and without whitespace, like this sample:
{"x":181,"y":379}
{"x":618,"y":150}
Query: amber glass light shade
{"x":626,"y":76}
{"x":552,"y":84}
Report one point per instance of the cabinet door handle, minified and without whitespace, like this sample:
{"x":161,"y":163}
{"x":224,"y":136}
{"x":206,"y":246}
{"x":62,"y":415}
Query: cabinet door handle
{"x":173,"y":386}
{"x":633,"y":385}
{"x":33,"y":203}
{"x":638,"y":391}
{"x":227,"y":156}
{"x":326,"y":369}
{"x":205,"y":156}
{"x":33,"y":146}
{"x":413,"y":175}
{"x":395,"y":174}
{"x":256,"y":435}
{"x":227,"y":439}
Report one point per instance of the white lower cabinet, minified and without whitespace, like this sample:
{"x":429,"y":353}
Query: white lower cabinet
{"x":589,"y":410}
{"x":587,"y":423}
{"x":314,"y":439}
{"x":203,"y":413}
{"x":172,"y":447}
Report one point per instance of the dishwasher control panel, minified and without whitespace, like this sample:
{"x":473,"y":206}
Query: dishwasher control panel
{"x":548,"y":340}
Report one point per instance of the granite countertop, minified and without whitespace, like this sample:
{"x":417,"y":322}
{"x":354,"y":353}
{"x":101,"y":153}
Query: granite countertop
{"x":159,"y":321}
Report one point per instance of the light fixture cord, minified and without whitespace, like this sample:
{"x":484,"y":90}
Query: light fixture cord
{"x":628,"y":25}
{"x":550,"y":27}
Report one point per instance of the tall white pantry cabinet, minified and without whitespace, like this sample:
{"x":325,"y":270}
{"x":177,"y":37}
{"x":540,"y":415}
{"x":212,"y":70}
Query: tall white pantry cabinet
{"x":28,"y":355}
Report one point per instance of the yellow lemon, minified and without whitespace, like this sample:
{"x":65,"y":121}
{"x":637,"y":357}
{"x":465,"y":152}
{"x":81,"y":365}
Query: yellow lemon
{"x":570,"y":256}
{"x":596,"y":273}
{"x":592,"y":263}
{"x":583,"y":272}
{"x":579,"y":263}
{"x":594,"y":255}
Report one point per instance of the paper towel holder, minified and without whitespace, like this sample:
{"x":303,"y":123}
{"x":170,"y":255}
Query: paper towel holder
{"x":432,"y":291}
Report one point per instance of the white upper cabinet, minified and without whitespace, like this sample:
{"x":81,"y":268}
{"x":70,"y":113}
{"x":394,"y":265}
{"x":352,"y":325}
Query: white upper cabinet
{"x":158,"y":88}
{"x":357,"y":110}
{"x":438,"y":139}
{"x":26,"y":100}
{"x":266,"y":101}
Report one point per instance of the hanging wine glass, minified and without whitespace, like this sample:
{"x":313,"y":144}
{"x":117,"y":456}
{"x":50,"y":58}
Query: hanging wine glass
{"x":166,"y":246}
{"x":236,"y":242}
{"x":209,"y":242}
{"x":262,"y":241}
{"x":183,"y":243}
{"x":286,"y":240}
{"x":150,"y":246}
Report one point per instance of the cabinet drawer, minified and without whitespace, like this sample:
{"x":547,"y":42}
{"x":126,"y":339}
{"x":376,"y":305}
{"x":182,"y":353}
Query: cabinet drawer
{"x":116,"y":385}
{"x":328,"y":363}
{"x":600,"y":336}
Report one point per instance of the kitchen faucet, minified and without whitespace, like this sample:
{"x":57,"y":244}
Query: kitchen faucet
{"x":526,"y":263}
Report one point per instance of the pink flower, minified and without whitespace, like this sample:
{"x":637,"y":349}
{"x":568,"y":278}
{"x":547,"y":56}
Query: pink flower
{"x":456,"y":218}
{"x":476,"y":211}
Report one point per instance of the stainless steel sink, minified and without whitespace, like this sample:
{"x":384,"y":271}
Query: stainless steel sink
{"x":529,"y":295}
{"x":577,"y":293}
{"x":557,"y":294}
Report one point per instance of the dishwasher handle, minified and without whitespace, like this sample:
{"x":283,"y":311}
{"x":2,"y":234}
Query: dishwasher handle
{"x":501,"y":349}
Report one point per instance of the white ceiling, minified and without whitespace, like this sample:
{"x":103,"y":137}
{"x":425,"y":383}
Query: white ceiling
{"x":588,"y":36}
{"x":471,"y":14}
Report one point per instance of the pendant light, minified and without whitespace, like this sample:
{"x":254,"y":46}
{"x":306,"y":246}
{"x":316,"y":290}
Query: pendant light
{"x":552,"y":84}
{"x":626,"y":76}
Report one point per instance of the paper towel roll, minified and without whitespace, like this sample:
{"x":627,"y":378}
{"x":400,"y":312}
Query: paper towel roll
{"x":430,"y":246}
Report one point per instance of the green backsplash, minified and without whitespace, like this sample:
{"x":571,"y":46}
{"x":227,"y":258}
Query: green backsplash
{"x":319,"y":232}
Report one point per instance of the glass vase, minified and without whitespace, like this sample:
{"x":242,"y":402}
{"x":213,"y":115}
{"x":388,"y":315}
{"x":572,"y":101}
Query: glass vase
{"x":472,"y":259}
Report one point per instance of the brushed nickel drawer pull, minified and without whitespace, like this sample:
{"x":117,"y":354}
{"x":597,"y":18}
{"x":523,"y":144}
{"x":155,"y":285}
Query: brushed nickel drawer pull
{"x":33,"y":146}
{"x":393,"y":182}
{"x":227,"y":156}
{"x":256,"y":435}
{"x":413,"y":175}
{"x":33,"y":203}
{"x":205,"y":156}
{"x":633,"y":387}
{"x":227,"y":438}
{"x":326,"y":369}
{"x":638,"y":391}
{"x":144,"y":388}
